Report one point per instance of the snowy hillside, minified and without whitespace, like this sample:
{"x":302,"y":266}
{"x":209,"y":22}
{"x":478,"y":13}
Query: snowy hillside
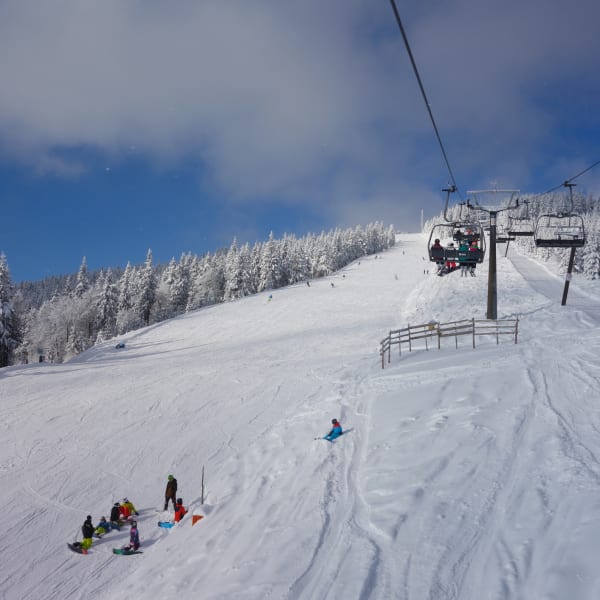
{"x":465,"y":474}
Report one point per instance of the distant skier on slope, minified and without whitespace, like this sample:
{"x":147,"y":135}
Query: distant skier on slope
{"x":335,"y":432}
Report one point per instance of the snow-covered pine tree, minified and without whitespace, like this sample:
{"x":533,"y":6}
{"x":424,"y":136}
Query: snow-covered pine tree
{"x":196,"y":270}
{"x":106,"y":302}
{"x":591,"y":256}
{"x":9,"y":328}
{"x":248,"y":279}
{"x":180,"y":288}
{"x":269,"y":266}
{"x":232,"y":273}
{"x":322,"y":259}
{"x":146,"y":290}
{"x":126,"y":318}
{"x":82,"y":282}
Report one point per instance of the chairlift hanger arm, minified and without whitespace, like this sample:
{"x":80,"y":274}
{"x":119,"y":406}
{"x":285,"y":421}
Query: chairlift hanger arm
{"x":448,"y":190}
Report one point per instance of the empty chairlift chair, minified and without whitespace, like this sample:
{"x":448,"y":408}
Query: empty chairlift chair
{"x":560,"y":230}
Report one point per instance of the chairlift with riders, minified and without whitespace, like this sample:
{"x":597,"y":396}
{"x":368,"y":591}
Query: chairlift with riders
{"x":460,"y":240}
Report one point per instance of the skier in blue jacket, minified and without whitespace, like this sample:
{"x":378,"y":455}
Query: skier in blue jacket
{"x":335,"y":432}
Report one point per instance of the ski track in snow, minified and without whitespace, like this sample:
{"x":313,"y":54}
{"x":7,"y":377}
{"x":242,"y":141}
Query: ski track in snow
{"x":464,"y":474}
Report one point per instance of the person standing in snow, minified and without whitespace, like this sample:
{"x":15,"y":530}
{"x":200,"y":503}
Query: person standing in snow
{"x":335,"y":432}
{"x":87,"y":530}
{"x":171,"y":491}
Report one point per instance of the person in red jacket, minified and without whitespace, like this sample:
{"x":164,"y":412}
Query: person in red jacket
{"x":180,"y":511}
{"x":127,"y":509}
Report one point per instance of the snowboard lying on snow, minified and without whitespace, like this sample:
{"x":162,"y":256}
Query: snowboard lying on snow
{"x":125,"y":552}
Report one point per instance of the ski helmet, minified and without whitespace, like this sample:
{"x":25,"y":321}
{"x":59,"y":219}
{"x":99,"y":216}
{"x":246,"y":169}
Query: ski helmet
{"x":134,"y":523}
{"x":333,"y":421}
{"x":179,"y":501}
{"x":125,"y":500}
{"x":116,"y":504}
{"x":170,"y":477}
{"x":89,"y":518}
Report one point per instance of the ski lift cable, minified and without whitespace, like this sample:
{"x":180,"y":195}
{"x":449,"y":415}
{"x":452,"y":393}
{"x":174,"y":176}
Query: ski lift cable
{"x":416,"y":71}
{"x":574,"y":177}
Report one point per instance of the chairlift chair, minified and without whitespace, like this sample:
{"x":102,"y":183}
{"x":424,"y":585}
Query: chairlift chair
{"x":560,"y":230}
{"x":563,"y":229}
{"x":520,"y":227}
{"x":452,"y":232}
{"x":451,"y":235}
{"x":519,"y":221}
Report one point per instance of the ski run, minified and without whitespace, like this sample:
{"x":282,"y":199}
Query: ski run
{"x":463,"y":474}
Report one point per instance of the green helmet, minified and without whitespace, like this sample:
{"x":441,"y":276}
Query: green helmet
{"x":170,"y":477}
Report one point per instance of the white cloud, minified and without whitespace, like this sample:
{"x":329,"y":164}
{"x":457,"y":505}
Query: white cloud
{"x":284,"y":100}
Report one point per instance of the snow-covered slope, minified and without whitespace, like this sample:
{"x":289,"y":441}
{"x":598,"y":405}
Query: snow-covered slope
{"x":468,"y":474}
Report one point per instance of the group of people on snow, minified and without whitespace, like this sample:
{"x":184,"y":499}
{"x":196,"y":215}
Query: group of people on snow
{"x":122,"y":513}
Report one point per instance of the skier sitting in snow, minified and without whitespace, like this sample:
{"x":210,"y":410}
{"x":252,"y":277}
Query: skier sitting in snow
{"x":134,"y":537}
{"x":115,"y":516}
{"x":127,"y":509}
{"x":180,"y":511}
{"x":102,"y":527}
{"x":335,"y":432}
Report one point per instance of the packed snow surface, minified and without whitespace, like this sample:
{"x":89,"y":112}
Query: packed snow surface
{"x":465,"y":473}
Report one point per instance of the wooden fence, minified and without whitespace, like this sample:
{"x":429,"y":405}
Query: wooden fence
{"x":432,"y":334}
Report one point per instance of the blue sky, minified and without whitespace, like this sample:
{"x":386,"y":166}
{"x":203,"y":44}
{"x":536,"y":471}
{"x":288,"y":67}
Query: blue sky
{"x":179,"y":126}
